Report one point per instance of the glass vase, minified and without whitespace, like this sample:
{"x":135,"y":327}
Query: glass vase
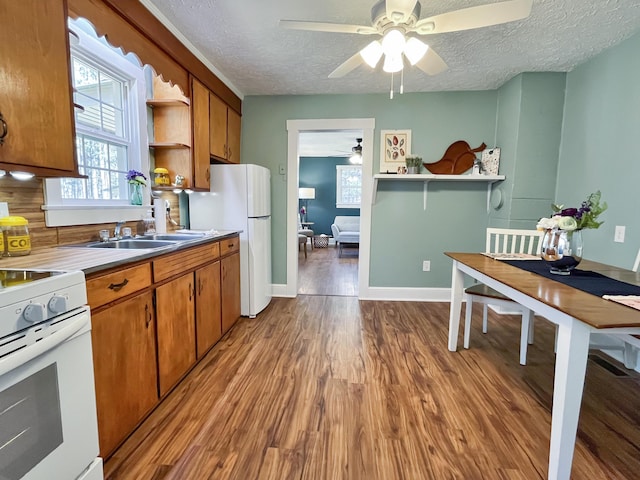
{"x":135,"y":193}
{"x":562,"y":250}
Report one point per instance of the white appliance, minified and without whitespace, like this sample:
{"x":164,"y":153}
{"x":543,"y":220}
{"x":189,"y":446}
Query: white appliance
{"x":240,"y":199}
{"x":48,"y":422}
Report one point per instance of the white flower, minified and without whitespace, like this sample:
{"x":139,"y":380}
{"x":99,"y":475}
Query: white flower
{"x":547,"y":223}
{"x":567,"y":223}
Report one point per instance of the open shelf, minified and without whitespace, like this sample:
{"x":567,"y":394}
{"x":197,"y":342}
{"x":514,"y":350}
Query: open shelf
{"x":429,"y":177}
{"x":168,"y":145}
{"x":167,"y":102}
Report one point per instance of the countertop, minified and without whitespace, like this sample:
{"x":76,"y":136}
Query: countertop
{"x":92,"y":260}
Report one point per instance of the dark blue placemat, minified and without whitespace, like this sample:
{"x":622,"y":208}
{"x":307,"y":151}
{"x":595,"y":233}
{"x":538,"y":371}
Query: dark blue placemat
{"x":585,"y":280}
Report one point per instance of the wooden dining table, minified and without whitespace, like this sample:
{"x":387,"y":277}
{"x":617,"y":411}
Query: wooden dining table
{"x":577,"y":315}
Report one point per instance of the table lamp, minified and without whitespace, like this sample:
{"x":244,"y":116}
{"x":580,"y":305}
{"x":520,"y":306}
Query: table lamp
{"x":306,"y":194}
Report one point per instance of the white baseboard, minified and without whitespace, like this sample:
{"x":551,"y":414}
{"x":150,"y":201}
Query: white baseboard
{"x":281,"y":290}
{"x":404,"y":294}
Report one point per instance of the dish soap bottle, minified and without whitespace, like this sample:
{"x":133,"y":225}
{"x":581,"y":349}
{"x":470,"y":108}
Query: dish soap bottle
{"x":149,"y":224}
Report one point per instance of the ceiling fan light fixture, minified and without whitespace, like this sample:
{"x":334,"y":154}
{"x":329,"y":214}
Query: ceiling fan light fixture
{"x":356,"y":156}
{"x":372,"y":53}
{"x":392,"y":64}
{"x":393,"y":43}
{"x":414,"y":50}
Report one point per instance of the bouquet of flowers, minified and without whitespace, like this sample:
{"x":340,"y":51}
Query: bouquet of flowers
{"x":570,"y":219}
{"x":135,"y":177}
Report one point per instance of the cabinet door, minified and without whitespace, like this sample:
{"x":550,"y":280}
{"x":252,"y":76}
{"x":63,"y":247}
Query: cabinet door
{"x":124,"y":363}
{"x":35,"y":98}
{"x":208,"y":308}
{"x":200,"y":105}
{"x":230,"y":291}
{"x":176,"y":330}
{"x":217,"y":127}
{"x":233,"y":136}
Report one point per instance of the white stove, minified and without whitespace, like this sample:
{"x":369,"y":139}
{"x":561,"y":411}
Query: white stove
{"x":48,"y":423}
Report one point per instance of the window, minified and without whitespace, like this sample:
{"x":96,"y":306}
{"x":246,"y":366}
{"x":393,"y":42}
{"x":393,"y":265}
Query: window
{"x":348,"y":186}
{"x":111,"y":135}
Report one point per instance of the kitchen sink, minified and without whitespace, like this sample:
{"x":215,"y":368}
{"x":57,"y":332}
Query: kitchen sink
{"x":135,"y":244}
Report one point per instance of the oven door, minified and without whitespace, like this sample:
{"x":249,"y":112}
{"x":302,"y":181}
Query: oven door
{"x":48,"y":425}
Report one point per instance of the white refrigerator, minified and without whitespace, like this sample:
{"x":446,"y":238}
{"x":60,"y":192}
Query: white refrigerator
{"x":240,"y":199}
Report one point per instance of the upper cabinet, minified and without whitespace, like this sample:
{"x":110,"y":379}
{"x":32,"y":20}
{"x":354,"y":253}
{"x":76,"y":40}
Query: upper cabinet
{"x":200,"y":101}
{"x":35,"y":99}
{"x":225,"y":126}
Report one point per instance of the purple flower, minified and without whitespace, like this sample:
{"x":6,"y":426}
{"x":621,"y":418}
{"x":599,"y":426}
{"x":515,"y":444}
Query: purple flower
{"x":569,"y":212}
{"x":133,"y":176}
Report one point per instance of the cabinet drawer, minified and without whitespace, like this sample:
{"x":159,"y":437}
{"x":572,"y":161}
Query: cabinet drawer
{"x":230,"y":245}
{"x":107,"y":288}
{"x":184,"y":260}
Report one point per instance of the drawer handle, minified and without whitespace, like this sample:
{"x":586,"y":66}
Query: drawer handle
{"x":116,"y":287}
{"x":4,"y":131}
{"x":230,"y":245}
{"x":148,"y":315}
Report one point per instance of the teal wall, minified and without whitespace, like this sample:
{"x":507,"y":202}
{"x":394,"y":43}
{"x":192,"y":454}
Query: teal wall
{"x":403,"y":234}
{"x":320,"y":173}
{"x":529,"y":125}
{"x":561,"y":137}
{"x":600,"y":148}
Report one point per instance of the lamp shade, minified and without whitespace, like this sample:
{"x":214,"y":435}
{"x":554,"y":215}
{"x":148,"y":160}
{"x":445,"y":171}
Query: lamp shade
{"x":306,"y":193}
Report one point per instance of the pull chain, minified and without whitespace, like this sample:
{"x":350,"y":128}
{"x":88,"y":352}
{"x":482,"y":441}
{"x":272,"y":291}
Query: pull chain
{"x":391,"y":92}
{"x":401,"y":81}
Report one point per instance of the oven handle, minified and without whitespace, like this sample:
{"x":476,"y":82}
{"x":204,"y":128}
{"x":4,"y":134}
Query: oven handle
{"x":19,"y":358}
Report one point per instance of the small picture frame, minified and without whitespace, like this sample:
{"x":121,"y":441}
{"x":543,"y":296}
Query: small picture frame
{"x":395,"y":147}
{"x":491,"y":161}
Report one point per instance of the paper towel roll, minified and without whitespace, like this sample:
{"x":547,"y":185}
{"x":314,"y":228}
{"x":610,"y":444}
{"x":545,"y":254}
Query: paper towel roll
{"x":160,"y":214}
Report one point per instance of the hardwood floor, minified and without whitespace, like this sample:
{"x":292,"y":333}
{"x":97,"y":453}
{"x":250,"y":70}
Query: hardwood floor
{"x":324,"y":273}
{"x":323,"y":387}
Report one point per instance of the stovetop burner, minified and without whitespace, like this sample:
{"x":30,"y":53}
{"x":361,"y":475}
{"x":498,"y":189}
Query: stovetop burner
{"x":12,"y":278}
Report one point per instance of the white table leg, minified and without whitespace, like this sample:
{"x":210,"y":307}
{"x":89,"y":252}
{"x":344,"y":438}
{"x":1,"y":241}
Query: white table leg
{"x":457,"y":284}
{"x":571,"y":365}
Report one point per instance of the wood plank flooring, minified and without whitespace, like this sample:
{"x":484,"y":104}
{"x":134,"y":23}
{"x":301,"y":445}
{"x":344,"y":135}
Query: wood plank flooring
{"x":329,"y":387}
{"x":324,"y":273}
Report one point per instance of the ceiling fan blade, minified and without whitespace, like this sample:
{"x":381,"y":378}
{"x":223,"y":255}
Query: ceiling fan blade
{"x":475,"y":17}
{"x":431,"y":63}
{"x":351,"y":64}
{"x":326,"y":27}
{"x":398,"y":11}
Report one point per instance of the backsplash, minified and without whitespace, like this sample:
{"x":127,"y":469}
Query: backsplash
{"x":26,"y":198}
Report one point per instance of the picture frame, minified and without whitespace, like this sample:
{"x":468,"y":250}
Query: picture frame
{"x":395,"y":147}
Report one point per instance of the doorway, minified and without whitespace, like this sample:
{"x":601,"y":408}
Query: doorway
{"x":294,"y":127}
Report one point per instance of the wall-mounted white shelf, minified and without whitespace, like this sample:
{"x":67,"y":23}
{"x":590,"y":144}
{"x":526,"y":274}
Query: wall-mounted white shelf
{"x":426,"y":178}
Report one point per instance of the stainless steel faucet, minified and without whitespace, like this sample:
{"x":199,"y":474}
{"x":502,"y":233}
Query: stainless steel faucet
{"x":116,"y":233}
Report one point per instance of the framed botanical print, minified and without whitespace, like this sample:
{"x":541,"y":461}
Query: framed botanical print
{"x":395,"y":147}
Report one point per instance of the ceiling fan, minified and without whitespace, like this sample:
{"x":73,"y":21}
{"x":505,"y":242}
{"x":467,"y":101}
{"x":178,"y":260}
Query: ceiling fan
{"x":397,"y":21}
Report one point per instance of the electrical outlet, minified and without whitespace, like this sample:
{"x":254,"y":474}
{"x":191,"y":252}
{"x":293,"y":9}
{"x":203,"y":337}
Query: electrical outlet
{"x":426,"y":266}
{"x":618,"y":236}
{"x":4,"y":209}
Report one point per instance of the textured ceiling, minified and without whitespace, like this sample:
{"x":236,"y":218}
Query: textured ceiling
{"x":241,"y":39}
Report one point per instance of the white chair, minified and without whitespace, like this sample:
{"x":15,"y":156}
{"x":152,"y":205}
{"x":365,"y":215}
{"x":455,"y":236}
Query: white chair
{"x":504,"y":240}
{"x":306,"y":232}
{"x":628,"y":344}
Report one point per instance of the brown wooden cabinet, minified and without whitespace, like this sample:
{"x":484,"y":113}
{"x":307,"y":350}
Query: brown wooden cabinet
{"x":35,"y":98}
{"x":124,"y":363}
{"x":208,"y":308}
{"x":200,"y":117}
{"x":175,"y":313}
{"x":151,"y":320}
{"x":230,"y":288}
{"x":225,"y":127}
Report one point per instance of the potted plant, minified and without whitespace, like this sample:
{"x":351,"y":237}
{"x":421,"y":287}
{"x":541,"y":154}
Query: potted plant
{"x":413,"y":164}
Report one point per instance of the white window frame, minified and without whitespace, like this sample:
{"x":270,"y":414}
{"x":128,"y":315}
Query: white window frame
{"x":339,"y":200}
{"x":62,"y":212}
